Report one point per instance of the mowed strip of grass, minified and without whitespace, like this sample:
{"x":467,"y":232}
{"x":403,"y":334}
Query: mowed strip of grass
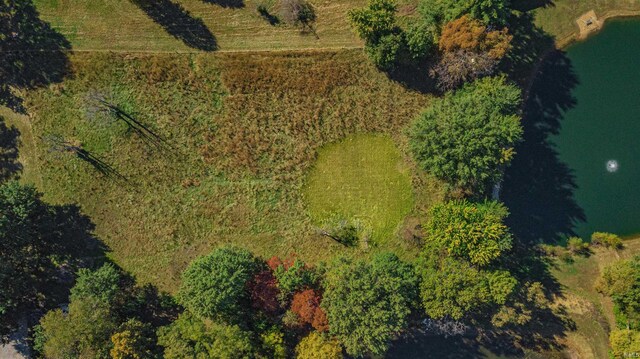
{"x":558,"y":17}
{"x":192,"y":25}
{"x":362,"y":178}
{"x":242,"y":131}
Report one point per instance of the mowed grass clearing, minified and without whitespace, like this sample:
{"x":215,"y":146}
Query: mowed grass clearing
{"x":363,"y":178}
{"x":243,"y":129}
{"x":123,"y":25}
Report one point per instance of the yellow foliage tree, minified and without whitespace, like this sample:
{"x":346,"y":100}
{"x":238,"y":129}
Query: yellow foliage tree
{"x":318,"y":346}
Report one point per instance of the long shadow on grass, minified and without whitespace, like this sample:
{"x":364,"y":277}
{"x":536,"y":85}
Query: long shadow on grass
{"x":32,"y":53}
{"x":179,"y":23}
{"x":233,"y":4}
{"x":9,"y":165}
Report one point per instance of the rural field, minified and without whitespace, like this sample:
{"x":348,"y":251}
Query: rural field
{"x":182,"y":129}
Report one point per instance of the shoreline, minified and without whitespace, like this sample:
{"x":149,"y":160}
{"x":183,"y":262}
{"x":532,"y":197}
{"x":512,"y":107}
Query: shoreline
{"x":562,"y":44}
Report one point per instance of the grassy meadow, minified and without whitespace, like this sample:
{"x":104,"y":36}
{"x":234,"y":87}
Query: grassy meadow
{"x":239,"y":134}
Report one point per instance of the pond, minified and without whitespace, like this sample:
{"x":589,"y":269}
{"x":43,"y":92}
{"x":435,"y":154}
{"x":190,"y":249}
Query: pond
{"x":579,"y":168}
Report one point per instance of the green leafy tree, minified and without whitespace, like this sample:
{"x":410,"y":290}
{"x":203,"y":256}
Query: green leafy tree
{"x":376,"y":25}
{"x":624,"y":342}
{"x":385,"y":52}
{"x":621,"y":281}
{"x":375,"y":21}
{"x":318,"y":346}
{"x":294,"y":278}
{"x":475,"y":232}
{"x":452,"y":288}
{"x":84,"y":332}
{"x":192,"y":337}
{"x":467,"y":137}
{"x":102,"y":284}
{"x":367,"y":304}
{"x":215,"y":286}
{"x":491,"y":12}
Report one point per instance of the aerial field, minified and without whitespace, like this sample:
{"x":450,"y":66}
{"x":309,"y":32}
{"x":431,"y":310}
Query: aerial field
{"x":239,"y":135}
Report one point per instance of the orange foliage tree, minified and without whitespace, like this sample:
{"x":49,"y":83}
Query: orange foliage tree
{"x":306,"y":305}
{"x":469,"y":50}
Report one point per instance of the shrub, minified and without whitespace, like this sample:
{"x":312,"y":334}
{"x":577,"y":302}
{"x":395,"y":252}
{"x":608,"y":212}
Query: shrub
{"x":608,"y":240}
{"x":374,"y":21}
{"x":577,"y":246}
{"x":298,"y":12}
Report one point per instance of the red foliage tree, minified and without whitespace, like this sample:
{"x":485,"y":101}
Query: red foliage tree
{"x":306,"y":305}
{"x":264,"y":292}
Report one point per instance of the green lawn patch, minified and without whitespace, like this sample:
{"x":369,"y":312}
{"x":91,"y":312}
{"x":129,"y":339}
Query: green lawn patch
{"x":363,"y":178}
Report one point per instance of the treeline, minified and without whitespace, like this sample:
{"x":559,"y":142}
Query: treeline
{"x":232,"y":304}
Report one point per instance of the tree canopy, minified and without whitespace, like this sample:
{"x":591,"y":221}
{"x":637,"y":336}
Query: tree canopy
{"x":215,"y":286}
{"x":474,"y":232}
{"x":467,"y":137}
{"x":318,"y":346}
{"x":192,"y":337}
{"x":621,"y":281}
{"x":367,"y":303}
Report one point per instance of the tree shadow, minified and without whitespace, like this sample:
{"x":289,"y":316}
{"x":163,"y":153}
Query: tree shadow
{"x":538,"y":187}
{"x":419,"y":345}
{"x":33,"y":54}
{"x":414,"y":75}
{"x":233,"y":4}
{"x":273,"y":20}
{"x":179,"y":23}
{"x":528,"y":5}
{"x":9,"y":139}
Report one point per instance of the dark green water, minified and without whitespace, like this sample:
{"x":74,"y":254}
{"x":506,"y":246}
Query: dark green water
{"x":584,"y":110}
{"x":605,"y":126}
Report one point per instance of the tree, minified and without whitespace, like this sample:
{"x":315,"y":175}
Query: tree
{"x":35,"y":238}
{"x":192,"y":337}
{"x":621,"y":281}
{"x":306,"y":305}
{"x":466,"y":138}
{"x":452,"y":288}
{"x":102,"y":284}
{"x":490,"y":12}
{"x":318,"y":346}
{"x":624,"y":342}
{"x":474,"y":232}
{"x":367,"y":304}
{"x":385,"y":52}
{"x":264,"y":292}
{"x":134,"y":340}
{"x":469,"y":51}
{"x":384,"y":40}
{"x":375,"y":21}
{"x":215,"y":286}
{"x":298,"y":12}
{"x":84,"y":332}
{"x":294,"y":276}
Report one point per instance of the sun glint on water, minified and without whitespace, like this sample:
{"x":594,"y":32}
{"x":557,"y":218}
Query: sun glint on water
{"x":612,"y":165}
